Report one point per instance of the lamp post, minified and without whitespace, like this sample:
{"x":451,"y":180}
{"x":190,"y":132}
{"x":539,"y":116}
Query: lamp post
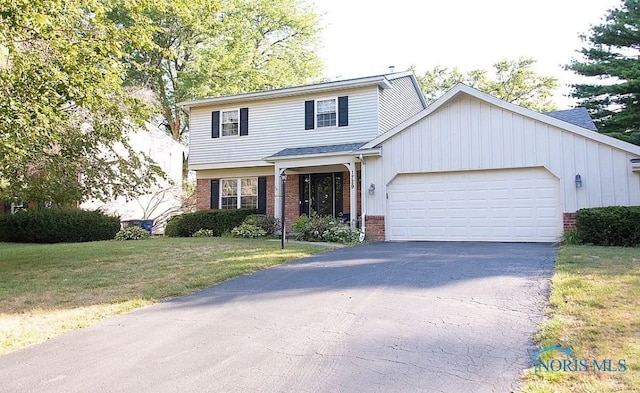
{"x":283,"y":179}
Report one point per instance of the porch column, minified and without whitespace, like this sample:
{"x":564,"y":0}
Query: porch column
{"x":353,"y":193}
{"x":277,"y":189}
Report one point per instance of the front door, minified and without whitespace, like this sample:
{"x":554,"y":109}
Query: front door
{"x":321,"y":193}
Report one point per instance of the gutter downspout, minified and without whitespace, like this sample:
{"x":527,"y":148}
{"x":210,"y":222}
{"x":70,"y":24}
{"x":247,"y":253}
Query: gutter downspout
{"x":363,"y":192}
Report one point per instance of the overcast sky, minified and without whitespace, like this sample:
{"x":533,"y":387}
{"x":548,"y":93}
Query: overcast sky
{"x":362,"y":38}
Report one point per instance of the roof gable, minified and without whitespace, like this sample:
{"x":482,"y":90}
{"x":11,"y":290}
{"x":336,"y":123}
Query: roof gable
{"x":462,"y":89}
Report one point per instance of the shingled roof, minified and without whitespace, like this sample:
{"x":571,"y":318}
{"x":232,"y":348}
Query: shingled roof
{"x":304,"y":151}
{"x":577,"y":116}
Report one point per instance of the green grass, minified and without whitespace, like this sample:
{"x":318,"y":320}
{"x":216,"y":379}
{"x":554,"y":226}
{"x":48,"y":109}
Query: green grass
{"x":595,"y":309}
{"x":48,"y":289}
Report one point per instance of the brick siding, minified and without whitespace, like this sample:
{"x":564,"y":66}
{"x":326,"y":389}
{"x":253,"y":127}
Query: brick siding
{"x":375,"y":228}
{"x":569,"y":221}
{"x":203,"y":194}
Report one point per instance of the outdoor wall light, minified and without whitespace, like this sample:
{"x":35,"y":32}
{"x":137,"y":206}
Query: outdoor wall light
{"x":372,"y":189}
{"x":578,"y":181}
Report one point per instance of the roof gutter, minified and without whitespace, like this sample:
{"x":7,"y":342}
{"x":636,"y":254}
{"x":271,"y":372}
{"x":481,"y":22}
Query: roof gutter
{"x":381,"y":81}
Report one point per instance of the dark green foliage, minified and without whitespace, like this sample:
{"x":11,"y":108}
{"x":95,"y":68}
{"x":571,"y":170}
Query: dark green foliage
{"x":173,"y":227}
{"x":612,"y":54}
{"x":218,"y":220}
{"x":609,"y":226}
{"x":64,"y":225}
{"x":269,"y":224}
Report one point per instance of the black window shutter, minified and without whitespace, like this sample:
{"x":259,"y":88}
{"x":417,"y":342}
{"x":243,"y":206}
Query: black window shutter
{"x":215,"y":124}
{"x":215,"y":194}
{"x":343,"y":111}
{"x":244,"y":121}
{"x":262,"y":195}
{"x":309,"y":120}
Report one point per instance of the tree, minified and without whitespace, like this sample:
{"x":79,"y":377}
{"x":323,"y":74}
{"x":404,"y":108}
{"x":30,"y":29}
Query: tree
{"x":612,"y":55}
{"x":64,"y":114}
{"x":204,"y":48}
{"x":514,"y":81}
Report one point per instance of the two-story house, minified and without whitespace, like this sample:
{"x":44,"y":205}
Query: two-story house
{"x":467,"y":167}
{"x":241,"y":144}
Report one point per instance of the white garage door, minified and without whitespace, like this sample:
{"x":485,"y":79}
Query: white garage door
{"x":516,"y":205}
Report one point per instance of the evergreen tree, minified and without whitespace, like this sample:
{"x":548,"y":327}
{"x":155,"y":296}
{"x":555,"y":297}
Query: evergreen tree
{"x":612,"y":56}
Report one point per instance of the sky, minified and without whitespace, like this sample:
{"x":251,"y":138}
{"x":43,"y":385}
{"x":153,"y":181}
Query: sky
{"x":362,"y":38}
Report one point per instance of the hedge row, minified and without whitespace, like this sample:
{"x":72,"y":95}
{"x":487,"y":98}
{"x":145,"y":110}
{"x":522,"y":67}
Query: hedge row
{"x":218,"y":220}
{"x":57,"y":225}
{"x":609,"y":226}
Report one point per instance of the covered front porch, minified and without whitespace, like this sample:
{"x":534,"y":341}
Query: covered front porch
{"x":325,"y":180}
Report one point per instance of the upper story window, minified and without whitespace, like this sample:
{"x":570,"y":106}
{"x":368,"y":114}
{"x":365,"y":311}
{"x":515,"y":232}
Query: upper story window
{"x":330,"y":112}
{"x":326,"y":113}
{"x":229,"y":123}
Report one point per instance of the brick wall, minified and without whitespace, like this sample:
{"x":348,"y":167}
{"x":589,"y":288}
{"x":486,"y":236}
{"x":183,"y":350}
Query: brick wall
{"x":270,"y":195}
{"x":203,"y":194}
{"x":375,"y":228}
{"x":569,"y":221}
{"x":292,"y":200}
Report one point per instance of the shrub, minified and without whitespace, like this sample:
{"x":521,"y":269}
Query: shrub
{"x":330,"y":229}
{"x":217,"y":220}
{"x":310,"y":228}
{"x":248,"y":231}
{"x":173,"y":228}
{"x":341,"y":233}
{"x":132,"y":233}
{"x":609,"y":226}
{"x":570,"y":237}
{"x":270,"y":224}
{"x":57,"y":225}
{"x":203,"y":233}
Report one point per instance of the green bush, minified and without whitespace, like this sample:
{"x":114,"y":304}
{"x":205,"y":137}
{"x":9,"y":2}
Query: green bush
{"x":269,"y":224}
{"x":132,"y":233}
{"x":173,"y":228}
{"x":203,"y":233}
{"x":329,"y":229}
{"x":248,"y":231}
{"x":609,"y":226}
{"x":218,"y":220}
{"x":571,"y":237}
{"x":341,"y":233}
{"x":57,"y":225}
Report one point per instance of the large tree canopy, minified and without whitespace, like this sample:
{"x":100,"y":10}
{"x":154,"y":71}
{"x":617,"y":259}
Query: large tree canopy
{"x":513,"y":80}
{"x":214,"y":47}
{"x":63,"y":111}
{"x":612,"y":57}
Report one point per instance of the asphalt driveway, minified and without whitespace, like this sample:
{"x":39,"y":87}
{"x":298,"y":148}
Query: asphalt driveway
{"x":386,"y":317}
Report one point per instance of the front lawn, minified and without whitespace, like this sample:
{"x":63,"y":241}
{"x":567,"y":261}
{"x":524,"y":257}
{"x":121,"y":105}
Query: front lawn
{"x":595,"y":309}
{"x":48,"y":289}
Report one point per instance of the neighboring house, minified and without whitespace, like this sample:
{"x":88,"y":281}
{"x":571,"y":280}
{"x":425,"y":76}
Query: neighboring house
{"x":468,"y":167}
{"x":163,"y":200}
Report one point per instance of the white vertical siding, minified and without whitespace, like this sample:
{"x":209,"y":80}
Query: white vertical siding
{"x":398,"y":103}
{"x":278,"y":124}
{"x":471,"y":134}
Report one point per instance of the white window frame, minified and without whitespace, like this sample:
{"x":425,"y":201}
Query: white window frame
{"x":222,"y":112}
{"x":239,"y":194}
{"x":316,"y":113}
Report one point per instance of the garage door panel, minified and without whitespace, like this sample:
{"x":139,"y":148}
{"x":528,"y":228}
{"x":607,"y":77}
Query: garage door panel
{"x":499,"y":205}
